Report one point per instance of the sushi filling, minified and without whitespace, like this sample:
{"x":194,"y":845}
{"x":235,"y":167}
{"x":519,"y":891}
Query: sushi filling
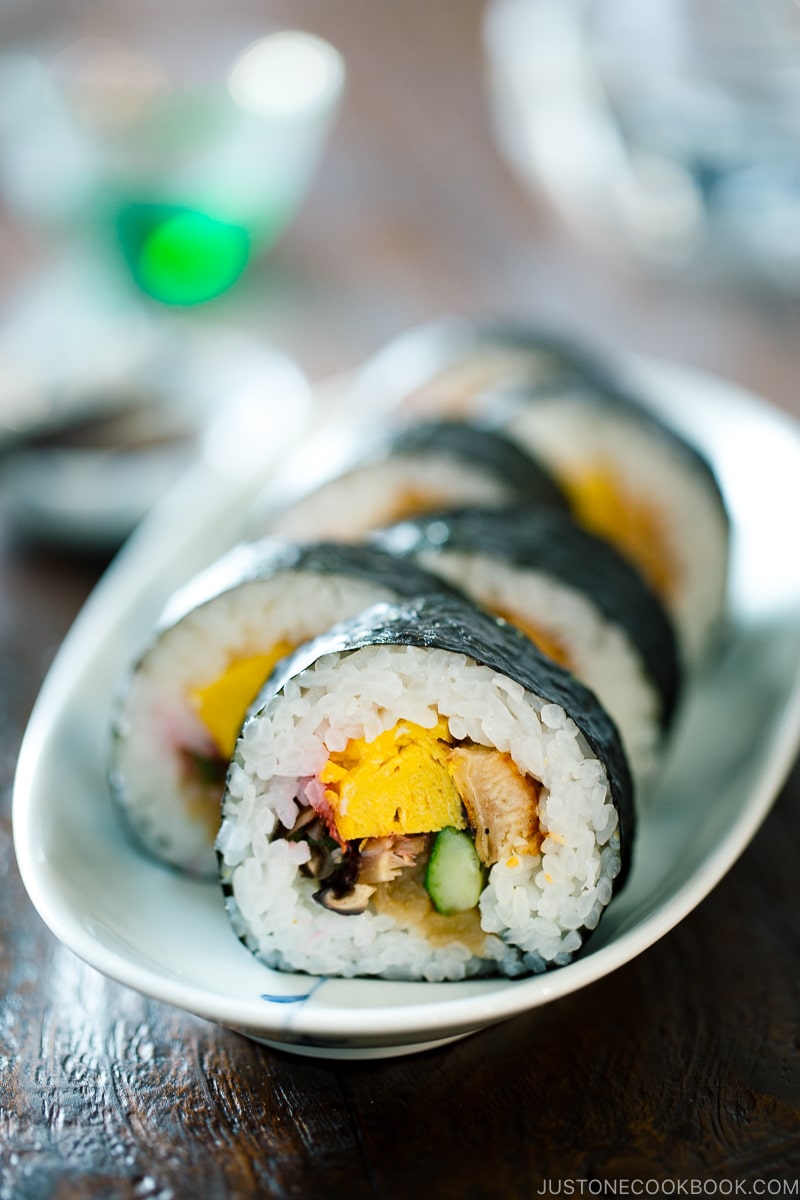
{"x":203,"y":753}
{"x":377,"y":808}
{"x":410,"y":813}
{"x":222,"y":704}
{"x":645,"y":493}
{"x":542,"y":638}
{"x":413,"y":501}
{"x":180,"y":710}
{"x":635,"y":527}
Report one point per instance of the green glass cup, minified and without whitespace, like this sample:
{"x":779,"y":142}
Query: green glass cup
{"x":186,"y":179}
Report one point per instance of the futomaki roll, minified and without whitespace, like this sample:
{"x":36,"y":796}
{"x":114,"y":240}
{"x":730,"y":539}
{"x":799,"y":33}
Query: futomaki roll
{"x":451,"y":367}
{"x":421,"y":794}
{"x":628,"y":476}
{"x":574,"y":596}
{"x":179,"y":709}
{"x":641,"y":486}
{"x":414,"y":469}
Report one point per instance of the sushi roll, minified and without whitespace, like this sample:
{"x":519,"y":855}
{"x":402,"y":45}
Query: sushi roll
{"x":421,"y":794}
{"x":414,"y":469}
{"x":452,"y":366}
{"x":641,"y":486}
{"x":628,"y":476}
{"x":575,"y":597}
{"x":178,"y":711}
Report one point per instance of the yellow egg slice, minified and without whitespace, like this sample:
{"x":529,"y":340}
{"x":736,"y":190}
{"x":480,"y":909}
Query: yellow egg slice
{"x":397,"y":783}
{"x":632,"y":524}
{"x":222,"y":704}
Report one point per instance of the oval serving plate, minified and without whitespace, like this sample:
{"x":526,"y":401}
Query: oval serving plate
{"x":168,"y":936}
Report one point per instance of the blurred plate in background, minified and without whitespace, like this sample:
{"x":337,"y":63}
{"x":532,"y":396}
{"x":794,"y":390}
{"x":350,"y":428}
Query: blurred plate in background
{"x":104,"y":407}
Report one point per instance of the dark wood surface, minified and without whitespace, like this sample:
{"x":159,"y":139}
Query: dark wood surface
{"x":683,"y":1065}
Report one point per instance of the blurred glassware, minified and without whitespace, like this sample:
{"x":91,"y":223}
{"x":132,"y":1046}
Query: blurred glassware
{"x":173,"y":168}
{"x":188,"y":167}
{"x":668,"y":127}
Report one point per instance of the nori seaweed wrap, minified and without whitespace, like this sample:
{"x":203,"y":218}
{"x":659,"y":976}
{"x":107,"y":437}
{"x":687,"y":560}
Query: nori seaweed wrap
{"x":574,"y":595}
{"x":416,"y":468}
{"x":179,"y":709}
{"x":420,"y":793}
{"x":629,"y":476}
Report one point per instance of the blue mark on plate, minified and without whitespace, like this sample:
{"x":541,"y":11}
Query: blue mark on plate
{"x":281,"y":998}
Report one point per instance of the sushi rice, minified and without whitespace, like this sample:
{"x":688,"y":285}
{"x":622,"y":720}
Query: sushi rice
{"x":167,"y":763}
{"x":535,"y":910}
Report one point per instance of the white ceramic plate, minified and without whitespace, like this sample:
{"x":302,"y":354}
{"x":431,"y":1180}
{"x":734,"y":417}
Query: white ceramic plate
{"x":169,"y":938}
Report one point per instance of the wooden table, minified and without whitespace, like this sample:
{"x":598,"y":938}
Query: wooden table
{"x":681,"y":1067}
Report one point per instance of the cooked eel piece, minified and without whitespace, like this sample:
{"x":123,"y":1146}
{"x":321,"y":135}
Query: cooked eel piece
{"x":502,"y":804}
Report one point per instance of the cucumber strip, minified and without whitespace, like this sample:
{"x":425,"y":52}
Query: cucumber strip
{"x":454,"y":878}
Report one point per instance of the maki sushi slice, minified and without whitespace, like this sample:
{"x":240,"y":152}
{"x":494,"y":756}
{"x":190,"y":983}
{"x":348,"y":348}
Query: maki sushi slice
{"x":179,"y":709}
{"x":421,"y":794}
{"x":453,"y":366}
{"x":574,"y":596}
{"x":415,"y":469}
{"x":639,"y":485}
{"x":628,"y":476}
